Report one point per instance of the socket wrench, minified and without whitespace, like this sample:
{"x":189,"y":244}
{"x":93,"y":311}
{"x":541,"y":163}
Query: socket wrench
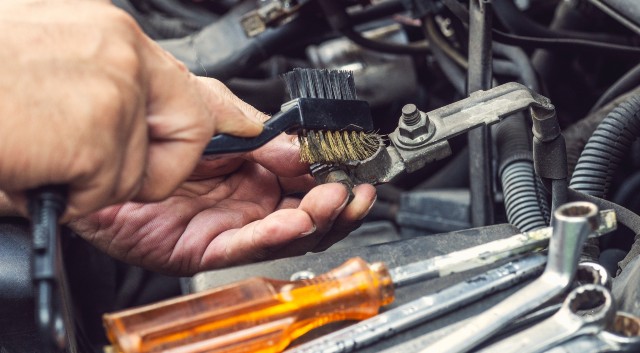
{"x":573,"y":223}
{"x":587,"y":310}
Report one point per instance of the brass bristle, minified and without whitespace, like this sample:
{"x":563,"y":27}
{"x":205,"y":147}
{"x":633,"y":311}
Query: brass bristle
{"x":337,"y":146}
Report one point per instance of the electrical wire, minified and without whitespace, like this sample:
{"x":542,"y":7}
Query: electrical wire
{"x":560,"y":44}
{"x":518,"y":23}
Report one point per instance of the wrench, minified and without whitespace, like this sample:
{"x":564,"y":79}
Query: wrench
{"x":593,"y":273}
{"x":623,"y":337}
{"x":572,"y":224}
{"x":587,"y":310}
{"x":587,"y":274}
{"x":422,"y":309}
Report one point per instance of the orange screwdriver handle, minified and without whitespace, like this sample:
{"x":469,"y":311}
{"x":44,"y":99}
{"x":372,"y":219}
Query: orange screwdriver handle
{"x":256,"y":315}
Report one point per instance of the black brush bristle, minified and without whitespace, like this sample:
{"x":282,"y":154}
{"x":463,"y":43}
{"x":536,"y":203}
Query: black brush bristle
{"x":320,"y":83}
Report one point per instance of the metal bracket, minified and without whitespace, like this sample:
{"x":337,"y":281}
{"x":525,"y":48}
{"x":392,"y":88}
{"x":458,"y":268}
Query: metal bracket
{"x":410,"y":154}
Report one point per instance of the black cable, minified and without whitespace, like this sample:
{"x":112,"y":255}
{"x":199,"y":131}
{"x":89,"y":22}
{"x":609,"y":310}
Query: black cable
{"x":518,"y":23}
{"x":627,"y":82}
{"x":561,"y":44}
{"x":378,"y":11}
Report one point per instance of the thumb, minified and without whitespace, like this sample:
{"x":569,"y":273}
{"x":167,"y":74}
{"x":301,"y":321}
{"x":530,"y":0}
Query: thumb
{"x":232,"y":116}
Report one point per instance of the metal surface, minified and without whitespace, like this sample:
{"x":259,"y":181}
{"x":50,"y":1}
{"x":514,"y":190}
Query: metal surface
{"x":481,"y":108}
{"x":592,"y":272}
{"x":479,"y":78}
{"x":587,"y":310}
{"x":624,"y":336}
{"x":415,"y":312}
{"x":573,"y":223}
{"x":485,"y":254}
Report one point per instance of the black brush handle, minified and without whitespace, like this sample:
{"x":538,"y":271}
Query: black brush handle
{"x":300,"y":114}
{"x":46,"y":206}
{"x":224,"y":145}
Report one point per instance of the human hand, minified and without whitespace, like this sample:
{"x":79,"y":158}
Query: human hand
{"x":230,"y":212}
{"x":87,"y":100}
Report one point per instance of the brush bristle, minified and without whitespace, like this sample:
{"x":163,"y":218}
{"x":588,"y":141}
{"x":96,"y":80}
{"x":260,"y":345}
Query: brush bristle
{"x":329,"y":146}
{"x":337,"y":146}
{"x":320,"y":83}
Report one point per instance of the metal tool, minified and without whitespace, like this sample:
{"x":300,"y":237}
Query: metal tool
{"x":488,"y":253}
{"x":587,"y":310}
{"x":593,"y":273}
{"x":587,"y":273}
{"x":423,"y":137}
{"x":425,"y":308}
{"x":624,"y":336}
{"x":572,"y":225}
{"x":355,"y":290}
{"x":418,"y":343}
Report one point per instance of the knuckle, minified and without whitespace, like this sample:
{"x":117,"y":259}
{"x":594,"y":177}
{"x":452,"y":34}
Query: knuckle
{"x":121,"y":19}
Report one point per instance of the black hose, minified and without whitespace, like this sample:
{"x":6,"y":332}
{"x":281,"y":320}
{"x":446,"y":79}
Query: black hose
{"x":521,"y":62}
{"x":625,"y":83}
{"x":524,"y":200}
{"x":606,"y":148}
{"x":604,"y":151}
{"x":222,"y":50}
{"x":579,"y":133}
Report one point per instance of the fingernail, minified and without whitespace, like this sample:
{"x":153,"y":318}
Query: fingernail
{"x":339,"y":210}
{"x":309,"y":232}
{"x":368,"y":209}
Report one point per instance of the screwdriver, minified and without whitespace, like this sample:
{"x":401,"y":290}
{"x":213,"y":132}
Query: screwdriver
{"x":264,"y":315}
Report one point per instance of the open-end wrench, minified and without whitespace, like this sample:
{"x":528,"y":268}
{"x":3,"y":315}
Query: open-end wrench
{"x":587,"y":310}
{"x":572,"y":224}
{"x":624,"y":336}
{"x":422,"y":309}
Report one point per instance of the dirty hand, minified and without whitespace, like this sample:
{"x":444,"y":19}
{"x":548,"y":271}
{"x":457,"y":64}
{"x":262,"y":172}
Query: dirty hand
{"x":88,"y":101}
{"x":231,"y":211}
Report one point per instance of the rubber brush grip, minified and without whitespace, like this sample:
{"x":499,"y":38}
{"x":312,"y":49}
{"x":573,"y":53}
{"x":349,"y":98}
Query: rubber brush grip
{"x":296,"y":116}
{"x":258,"y":315}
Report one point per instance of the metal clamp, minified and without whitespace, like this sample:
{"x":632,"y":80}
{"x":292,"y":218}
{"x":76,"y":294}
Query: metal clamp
{"x":421,"y":138}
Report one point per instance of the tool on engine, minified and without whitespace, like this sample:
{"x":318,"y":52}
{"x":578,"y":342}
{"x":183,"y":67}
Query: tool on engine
{"x":622,"y":336}
{"x":265,"y":315}
{"x":421,"y":138}
{"x":331,"y":123}
{"x":587,"y":310}
{"x":572,"y":225}
{"x":425,"y":308}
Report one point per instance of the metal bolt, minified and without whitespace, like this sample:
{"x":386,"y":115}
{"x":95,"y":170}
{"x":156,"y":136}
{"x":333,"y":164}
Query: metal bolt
{"x":410,"y":114}
{"x":301,"y":275}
